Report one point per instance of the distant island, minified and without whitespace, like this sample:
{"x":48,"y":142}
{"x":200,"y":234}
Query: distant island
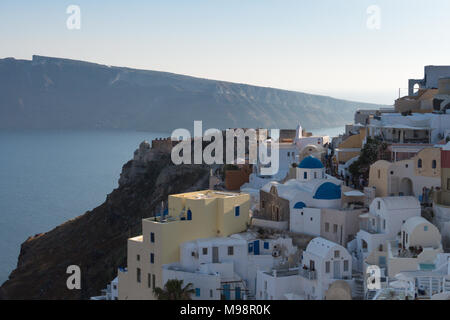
{"x":55,"y":93}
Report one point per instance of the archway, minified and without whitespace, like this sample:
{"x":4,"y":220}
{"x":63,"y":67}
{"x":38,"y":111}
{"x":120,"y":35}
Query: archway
{"x":406,"y":187}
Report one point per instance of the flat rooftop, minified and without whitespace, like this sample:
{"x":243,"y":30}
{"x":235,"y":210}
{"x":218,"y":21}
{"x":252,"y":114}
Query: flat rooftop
{"x":207,"y":194}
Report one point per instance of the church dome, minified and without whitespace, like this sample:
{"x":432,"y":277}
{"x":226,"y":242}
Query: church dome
{"x":310,"y":162}
{"x":328,"y":191}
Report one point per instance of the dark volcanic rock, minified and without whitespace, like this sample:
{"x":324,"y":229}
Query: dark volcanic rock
{"x":96,"y":241}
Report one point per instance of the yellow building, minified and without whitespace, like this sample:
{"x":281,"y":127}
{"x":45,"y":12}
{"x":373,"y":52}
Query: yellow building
{"x":194,"y":215}
{"x":350,"y":147}
{"x":422,"y":102}
{"x":407,"y":177}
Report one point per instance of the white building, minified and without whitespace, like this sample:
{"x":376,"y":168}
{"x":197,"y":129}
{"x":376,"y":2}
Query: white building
{"x":226,"y":268}
{"x":323,"y":263}
{"x":383,"y":222}
{"x":111,"y":292}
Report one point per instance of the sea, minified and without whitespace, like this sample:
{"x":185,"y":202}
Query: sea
{"x":50,"y":176}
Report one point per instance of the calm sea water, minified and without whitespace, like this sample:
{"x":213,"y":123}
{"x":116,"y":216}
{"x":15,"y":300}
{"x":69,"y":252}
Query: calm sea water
{"x":48,"y":177}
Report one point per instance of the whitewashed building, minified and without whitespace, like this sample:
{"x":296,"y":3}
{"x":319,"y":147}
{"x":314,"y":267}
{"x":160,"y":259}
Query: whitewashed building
{"x":383,"y":222}
{"x":226,"y":268}
{"x":323,"y":262}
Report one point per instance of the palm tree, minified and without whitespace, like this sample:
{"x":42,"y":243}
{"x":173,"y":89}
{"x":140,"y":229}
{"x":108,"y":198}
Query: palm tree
{"x":174,"y":290}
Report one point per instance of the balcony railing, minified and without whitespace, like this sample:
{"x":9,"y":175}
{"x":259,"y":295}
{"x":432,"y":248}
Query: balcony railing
{"x":308,"y":274}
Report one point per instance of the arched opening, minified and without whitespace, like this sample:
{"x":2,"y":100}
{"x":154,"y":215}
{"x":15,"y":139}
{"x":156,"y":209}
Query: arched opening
{"x":364,"y":245}
{"x":406,"y":187}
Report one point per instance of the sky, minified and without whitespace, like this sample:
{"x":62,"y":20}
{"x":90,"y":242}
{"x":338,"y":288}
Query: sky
{"x":352,"y":49}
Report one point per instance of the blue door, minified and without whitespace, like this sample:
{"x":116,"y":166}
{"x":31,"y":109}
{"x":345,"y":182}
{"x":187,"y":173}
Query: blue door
{"x":256,"y":247}
{"x":226,"y":291}
{"x":238,"y":293}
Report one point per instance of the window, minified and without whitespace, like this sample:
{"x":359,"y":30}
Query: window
{"x":379,"y":174}
{"x":336,"y":253}
{"x":138,"y":257}
{"x":263,"y":204}
{"x":345,"y":265}
{"x":153,"y":281}
{"x":205,"y":251}
{"x":327,"y":267}
{"x":152,"y":237}
{"x":193,"y":253}
{"x":425,"y":228}
{"x":152,"y":258}
{"x":265,"y":285}
{"x":310,"y":219}
{"x":250,"y":247}
{"x":138,"y":275}
{"x":379,"y":205}
{"x":335,"y":228}
{"x":327,"y":227}
{"x":305,"y":175}
{"x":211,"y":293}
{"x":384,"y":223}
{"x":237,"y":211}
{"x":197,"y":292}
{"x":311,"y":265}
{"x":392,"y":173}
{"x":434,"y":164}
{"x":230,"y":251}
{"x":149,"y":280}
{"x":315,"y":175}
{"x":266,"y":245}
{"x":189,"y":214}
{"x":419,"y":163}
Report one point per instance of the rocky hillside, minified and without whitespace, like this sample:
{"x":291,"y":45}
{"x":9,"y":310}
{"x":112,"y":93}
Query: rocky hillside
{"x":53,"y":93}
{"x":96,"y":241}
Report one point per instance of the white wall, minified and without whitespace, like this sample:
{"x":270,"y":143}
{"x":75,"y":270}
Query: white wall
{"x":306,"y":221}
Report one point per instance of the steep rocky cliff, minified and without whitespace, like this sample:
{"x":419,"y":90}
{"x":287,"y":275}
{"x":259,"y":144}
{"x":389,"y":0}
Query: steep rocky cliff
{"x":96,"y":241}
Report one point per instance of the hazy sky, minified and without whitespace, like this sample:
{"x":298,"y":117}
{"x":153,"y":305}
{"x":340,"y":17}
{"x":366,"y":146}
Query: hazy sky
{"x":320,"y":46}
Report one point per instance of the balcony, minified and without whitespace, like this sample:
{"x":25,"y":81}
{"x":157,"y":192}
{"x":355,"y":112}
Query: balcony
{"x":308,"y":274}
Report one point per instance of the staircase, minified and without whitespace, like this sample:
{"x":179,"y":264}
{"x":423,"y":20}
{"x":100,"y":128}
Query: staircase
{"x":358,"y":287}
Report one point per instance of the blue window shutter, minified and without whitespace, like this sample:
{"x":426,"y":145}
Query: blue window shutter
{"x":237,"y":211}
{"x":152,"y":237}
{"x":189,"y":214}
{"x":266,"y":245}
{"x":197,"y":292}
{"x":152,"y":258}
{"x":250,"y":247}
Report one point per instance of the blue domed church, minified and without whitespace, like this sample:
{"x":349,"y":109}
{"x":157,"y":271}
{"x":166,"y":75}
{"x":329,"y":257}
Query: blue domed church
{"x":299,"y":204}
{"x":310,"y":168}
